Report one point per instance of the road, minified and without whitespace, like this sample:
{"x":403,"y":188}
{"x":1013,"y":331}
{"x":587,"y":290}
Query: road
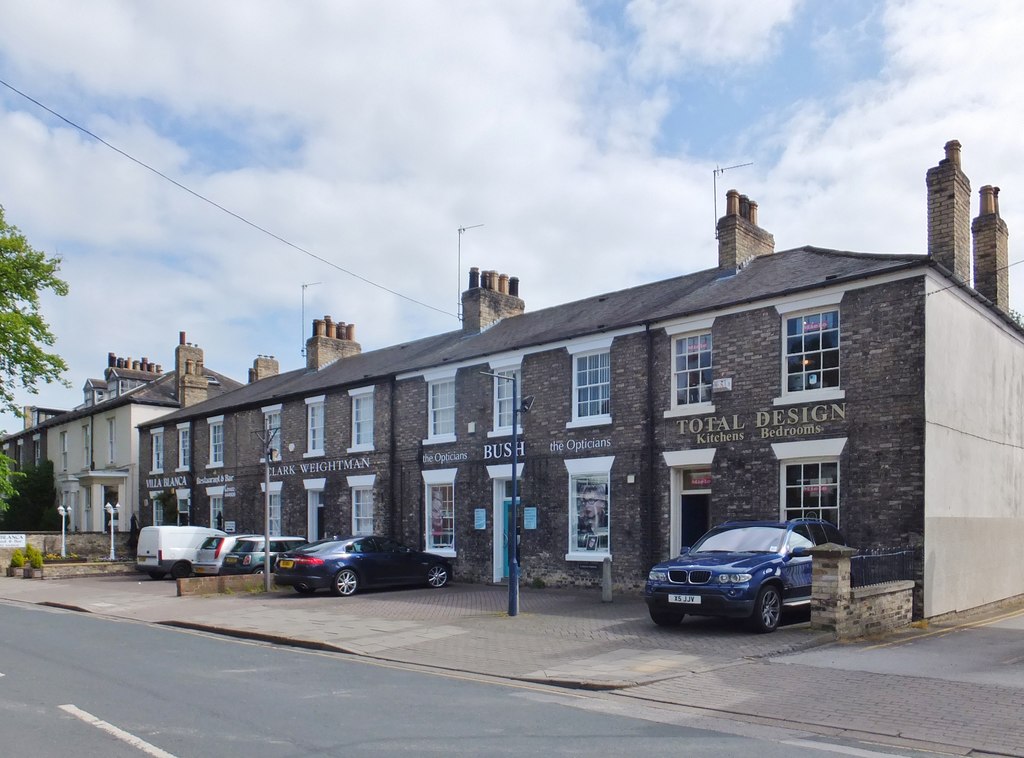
{"x":85,"y":686}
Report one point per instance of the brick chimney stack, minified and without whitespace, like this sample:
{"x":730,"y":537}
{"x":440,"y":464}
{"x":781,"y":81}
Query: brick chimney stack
{"x":991,"y":251}
{"x":262,"y":367}
{"x":189,"y":373}
{"x":949,"y":214}
{"x":331,"y":341}
{"x":490,"y":298}
{"x":740,"y":239}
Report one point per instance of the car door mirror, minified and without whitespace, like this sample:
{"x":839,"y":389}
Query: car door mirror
{"x":800,"y":552}
{"x":685,"y":550}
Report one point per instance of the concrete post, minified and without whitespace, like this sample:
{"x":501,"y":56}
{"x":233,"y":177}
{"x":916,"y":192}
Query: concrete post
{"x":606,"y":580}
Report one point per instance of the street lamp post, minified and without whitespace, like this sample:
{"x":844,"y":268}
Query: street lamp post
{"x":112,"y":511}
{"x":267,"y":438}
{"x":64,"y":513}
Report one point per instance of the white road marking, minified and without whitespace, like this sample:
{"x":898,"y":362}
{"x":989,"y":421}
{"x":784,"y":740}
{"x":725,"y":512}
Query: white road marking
{"x":122,"y":735}
{"x":839,"y":749}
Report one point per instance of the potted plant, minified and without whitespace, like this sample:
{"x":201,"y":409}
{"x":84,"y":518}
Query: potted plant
{"x":35,"y":562}
{"x":17,"y":563}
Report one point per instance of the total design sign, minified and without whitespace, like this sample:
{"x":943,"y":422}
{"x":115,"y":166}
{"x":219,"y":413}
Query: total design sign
{"x":783,"y":422}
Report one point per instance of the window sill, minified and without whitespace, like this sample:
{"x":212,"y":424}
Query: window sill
{"x":697,"y":409}
{"x":360,"y":449}
{"x":505,"y":431}
{"x":443,"y":552}
{"x":152,"y":470}
{"x":581,"y":423}
{"x":314,"y":454}
{"x":441,"y":439}
{"x":810,"y":396}
{"x":215,"y":465}
{"x":182,"y":468}
{"x":588,"y":556}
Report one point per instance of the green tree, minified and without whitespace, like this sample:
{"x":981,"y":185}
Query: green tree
{"x":24,"y":333}
{"x":33,"y":506}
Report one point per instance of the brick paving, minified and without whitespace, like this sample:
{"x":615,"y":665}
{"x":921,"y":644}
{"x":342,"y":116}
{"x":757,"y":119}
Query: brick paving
{"x":570,"y":638}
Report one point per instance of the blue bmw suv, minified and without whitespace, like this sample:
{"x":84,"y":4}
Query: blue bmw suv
{"x":741,"y":569}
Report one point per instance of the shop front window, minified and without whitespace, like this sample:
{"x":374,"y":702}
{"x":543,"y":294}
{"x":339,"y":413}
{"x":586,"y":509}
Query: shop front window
{"x":589,"y":513}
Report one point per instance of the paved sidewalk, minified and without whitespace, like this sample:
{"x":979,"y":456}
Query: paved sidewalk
{"x":570,"y":638}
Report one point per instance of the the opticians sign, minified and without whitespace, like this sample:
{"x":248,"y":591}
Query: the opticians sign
{"x":787,"y":422}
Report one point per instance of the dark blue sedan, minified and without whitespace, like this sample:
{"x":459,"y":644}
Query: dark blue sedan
{"x":345,"y":565}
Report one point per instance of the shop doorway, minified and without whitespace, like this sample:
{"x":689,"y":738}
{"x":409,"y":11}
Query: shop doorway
{"x":500,"y":520}
{"x":693,"y":518}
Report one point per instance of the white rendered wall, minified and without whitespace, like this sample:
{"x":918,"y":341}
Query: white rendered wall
{"x":974,"y":455}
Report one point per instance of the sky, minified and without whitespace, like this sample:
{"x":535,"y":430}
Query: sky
{"x":233,"y":170}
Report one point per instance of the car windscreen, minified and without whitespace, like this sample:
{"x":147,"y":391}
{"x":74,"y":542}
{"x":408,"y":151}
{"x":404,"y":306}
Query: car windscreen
{"x":744,"y":539}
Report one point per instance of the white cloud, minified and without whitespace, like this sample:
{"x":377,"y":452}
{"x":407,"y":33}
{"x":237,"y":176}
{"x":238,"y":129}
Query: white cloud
{"x":367,"y":133}
{"x":675,"y":35}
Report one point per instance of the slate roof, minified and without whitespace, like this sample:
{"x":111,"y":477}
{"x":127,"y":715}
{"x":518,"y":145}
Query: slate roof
{"x":162,"y":391}
{"x":764,"y":277}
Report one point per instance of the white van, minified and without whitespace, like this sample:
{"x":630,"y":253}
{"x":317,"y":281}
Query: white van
{"x":170,"y":550}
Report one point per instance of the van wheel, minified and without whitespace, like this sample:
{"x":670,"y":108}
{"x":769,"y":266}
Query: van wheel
{"x":181,"y":570}
{"x":156,"y":574}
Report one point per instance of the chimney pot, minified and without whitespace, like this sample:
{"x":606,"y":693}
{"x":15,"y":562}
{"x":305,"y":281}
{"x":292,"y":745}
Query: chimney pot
{"x":181,"y":338}
{"x":111,"y":360}
{"x":513,"y":286}
{"x":988,"y":200}
{"x":350,"y":332}
{"x":474,"y":278}
{"x":503,"y":284}
{"x":953,"y":152}
{"x":732,"y":203}
{"x":753,"y":213}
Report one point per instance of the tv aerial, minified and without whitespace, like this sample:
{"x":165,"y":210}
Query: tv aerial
{"x":714,"y":174}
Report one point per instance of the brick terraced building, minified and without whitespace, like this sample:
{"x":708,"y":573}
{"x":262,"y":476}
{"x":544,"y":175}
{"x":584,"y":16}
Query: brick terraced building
{"x":881,"y":392}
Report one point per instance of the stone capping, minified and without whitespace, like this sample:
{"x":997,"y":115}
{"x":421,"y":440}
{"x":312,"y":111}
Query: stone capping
{"x":213,"y":585}
{"x":850,"y":612}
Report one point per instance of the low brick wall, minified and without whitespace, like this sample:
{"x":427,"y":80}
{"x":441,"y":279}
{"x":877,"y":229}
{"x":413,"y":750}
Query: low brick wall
{"x":212,"y":585}
{"x":88,"y":545}
{"x":850,"y":612}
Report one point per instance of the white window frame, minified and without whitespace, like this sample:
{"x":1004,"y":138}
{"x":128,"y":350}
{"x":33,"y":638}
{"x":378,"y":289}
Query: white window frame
{"x":363,"y":409}
{"x":795,"y":309}
{"x":315,"y":426}
{"x":502,"y":398}
{"x":37,"y":450}
{"x":274,"y":522}
{"x":438,"y":478}
{"x":586,"y":351}
{"x":63,"y":451}
{"x":111,"y":440}
{"x":157,"y":457}
{"x":184,"y":446}
{"x":216,"y":428}
{"x":683,"y":332}
{"x":86,"y":457}
{"x":580,"y":469}
{"x":827,"y":451}
{"x":272,"y":426}
{"x":315,"y":501}
{"x":436,"y":381}
{"x":362,"y":497}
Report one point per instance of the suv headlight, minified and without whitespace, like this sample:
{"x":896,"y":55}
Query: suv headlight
{"x":733,"y":578}
{"x":658,"y":575}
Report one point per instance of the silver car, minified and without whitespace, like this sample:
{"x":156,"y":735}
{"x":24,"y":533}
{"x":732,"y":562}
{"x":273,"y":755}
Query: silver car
{"x":211,"y":554}
{"x":248,"y":554}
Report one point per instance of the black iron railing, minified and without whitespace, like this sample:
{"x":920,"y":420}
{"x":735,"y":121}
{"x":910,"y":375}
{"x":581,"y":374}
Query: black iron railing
{"x":880,"y":565}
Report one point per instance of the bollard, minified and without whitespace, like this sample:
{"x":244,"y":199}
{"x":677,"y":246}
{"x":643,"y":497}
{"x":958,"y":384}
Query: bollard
{"x":606,"y":580}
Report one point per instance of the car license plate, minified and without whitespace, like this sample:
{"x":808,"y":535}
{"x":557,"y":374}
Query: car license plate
{"x":231,"y":560}
{"x":285,"y":563}
{"x":691,"y":599}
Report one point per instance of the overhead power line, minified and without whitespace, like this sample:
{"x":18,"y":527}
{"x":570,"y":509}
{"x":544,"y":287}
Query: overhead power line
{"x":220,"y":207}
